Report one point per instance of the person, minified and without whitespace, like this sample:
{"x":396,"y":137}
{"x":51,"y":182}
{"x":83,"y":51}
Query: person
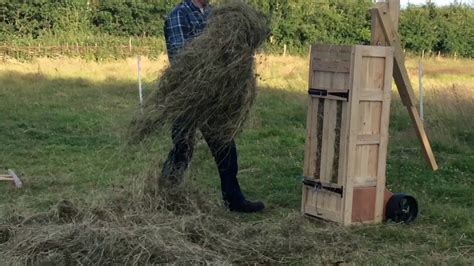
{"x":186,"y":21}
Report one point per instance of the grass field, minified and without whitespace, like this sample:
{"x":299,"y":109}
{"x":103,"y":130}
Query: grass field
{"x":62,"y":126}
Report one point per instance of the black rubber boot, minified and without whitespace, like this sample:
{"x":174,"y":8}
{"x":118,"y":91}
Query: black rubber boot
{"x":246,"y":206}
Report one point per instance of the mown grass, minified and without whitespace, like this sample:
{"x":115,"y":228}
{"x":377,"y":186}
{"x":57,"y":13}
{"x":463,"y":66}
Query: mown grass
{"x":62,"y":125}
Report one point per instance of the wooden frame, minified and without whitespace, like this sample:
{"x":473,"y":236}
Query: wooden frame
{"x":385,"y":17}
{"x":347,"y":132}
{"x":12,"y":177}
{"x":348,"y":121}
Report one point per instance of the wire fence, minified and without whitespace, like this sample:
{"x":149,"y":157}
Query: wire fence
{"x":96,"y":52}
{"x":99,"y":52}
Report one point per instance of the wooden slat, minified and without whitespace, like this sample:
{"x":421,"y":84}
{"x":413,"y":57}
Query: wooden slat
{"x":321,"y":80}
{"x":384,"y":131}
{"x":361,"y":161}
{"x":314,"y":143}
{"x":376,"y":117}
{"x":5,"y":178}
{"x":373,"y":160}
{"x":323,"y":204}
{"x":331,"y":66}
{"x":15,"y":178}
{"x":371,"y":51}
{"x":304,"y":197}
{"x":309,"y":137}
{"x":365,"y":181}
{"x":402,"y":81}
{"x":369,"y":118}
{"x":340,"y":56}
{"x":327,"y":151}
{"x":371,"y":95}
{"x":352,"y":134}
{"x":328,"y":184}
{"x":333,"y":48}
{"x":368,"y":139}
{"x":373,"y":73}
{"x":330,"y":97}
{"x":340,"y":81}
{"x":331,"y":89}
{"x":342,"y":171}
{"x":420,"y":132}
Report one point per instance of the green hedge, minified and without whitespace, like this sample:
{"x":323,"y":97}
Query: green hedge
{"x":295,"y":23}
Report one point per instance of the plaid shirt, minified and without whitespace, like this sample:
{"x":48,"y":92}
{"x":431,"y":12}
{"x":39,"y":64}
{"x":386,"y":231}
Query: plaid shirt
{"x":185,"y":22}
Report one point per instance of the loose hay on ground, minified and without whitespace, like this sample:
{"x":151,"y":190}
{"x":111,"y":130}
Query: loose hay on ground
{"x":146,"y":233}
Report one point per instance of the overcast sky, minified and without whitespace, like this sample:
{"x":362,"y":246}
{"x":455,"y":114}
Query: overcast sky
{"x":437,"y":2}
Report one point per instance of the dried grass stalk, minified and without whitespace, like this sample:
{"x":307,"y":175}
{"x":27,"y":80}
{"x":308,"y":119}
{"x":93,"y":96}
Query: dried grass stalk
{"x":211,"y":84}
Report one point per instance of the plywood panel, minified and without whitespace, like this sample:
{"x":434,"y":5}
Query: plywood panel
{"x":369,"y":118}
{"x":373,"y":73}
{"x":321,"y":80}
{"x":341,"y":81}
{"x":376,"y":117}
{"x":323,"y":204}
{"x":363,"y":209}
{"x":366,"y":161}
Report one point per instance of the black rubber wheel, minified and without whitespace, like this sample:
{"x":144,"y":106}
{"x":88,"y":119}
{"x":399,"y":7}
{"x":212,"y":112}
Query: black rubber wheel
{"x":401,"y":208}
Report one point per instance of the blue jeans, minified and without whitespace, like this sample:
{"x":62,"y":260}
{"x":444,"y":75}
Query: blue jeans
{"x":224,"y":153}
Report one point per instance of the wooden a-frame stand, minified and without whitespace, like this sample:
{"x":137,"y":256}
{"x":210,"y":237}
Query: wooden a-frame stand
{"x":385,"y":17}
{"x":347,"y":127}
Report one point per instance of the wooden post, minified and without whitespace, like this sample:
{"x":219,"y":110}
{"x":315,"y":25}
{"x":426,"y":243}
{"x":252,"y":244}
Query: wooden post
{"x":378,"y":37}
{"x":140,"y":90}
{"x":284,"y":50}
{"x":382,"y":23}
{"x":420,"y":86}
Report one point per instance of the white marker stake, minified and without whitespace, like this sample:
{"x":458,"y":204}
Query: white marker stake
{"x":420,"y":82}
{"x":140,"y":90}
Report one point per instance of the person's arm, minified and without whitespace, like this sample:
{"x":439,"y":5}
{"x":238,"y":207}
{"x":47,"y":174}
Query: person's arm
{"x":176,"y":30}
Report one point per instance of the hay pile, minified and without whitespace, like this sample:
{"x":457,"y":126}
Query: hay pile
{"x":145,"y":233}
{"x":211,"y":83}
{"x":141,"y":226}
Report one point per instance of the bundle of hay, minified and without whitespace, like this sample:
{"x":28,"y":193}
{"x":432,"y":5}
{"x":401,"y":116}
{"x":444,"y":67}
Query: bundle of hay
{"x":211,"y":83}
